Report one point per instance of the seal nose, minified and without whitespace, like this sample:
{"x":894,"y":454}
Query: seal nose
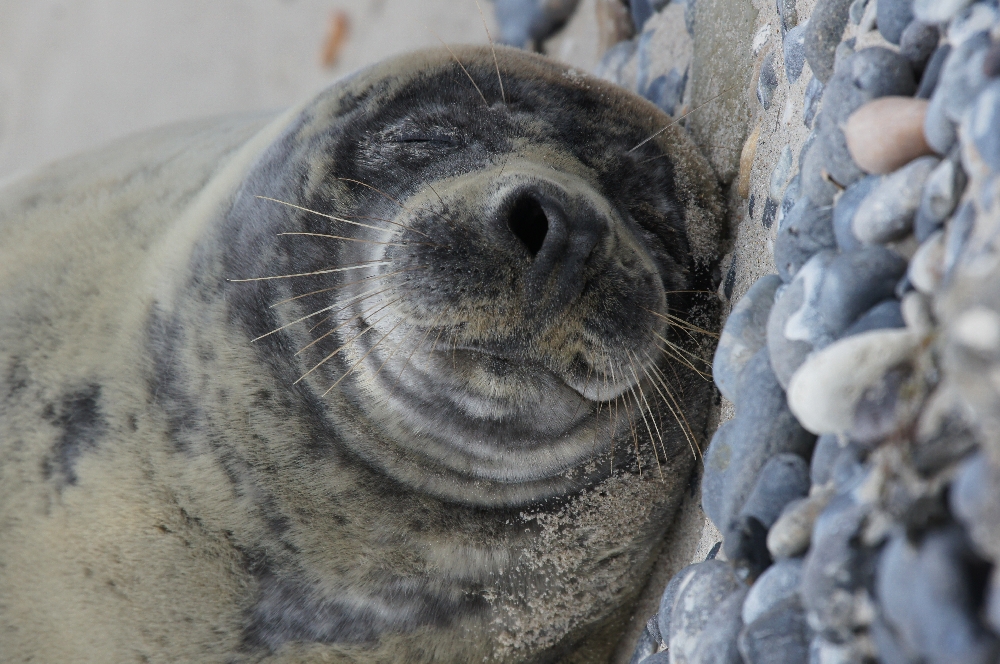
{"x":560,"y":233}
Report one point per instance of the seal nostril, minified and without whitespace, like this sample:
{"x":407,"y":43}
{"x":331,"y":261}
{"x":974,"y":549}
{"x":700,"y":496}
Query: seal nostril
{"x":527,"y":221}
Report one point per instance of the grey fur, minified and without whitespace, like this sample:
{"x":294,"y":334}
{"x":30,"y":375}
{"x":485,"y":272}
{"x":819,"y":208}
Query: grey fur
{"x":486,"y":479}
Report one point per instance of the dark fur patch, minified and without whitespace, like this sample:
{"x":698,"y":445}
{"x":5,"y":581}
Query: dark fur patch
{"x":288,"y":609}
{"x":79,"y":416}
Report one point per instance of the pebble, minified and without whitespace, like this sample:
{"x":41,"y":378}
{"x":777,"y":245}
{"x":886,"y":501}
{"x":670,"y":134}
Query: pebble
{"x":887,"y":133}
{"x":785,"y":477}
{"x":791,"y":533}
{"x":527,"y":23}
{"x":985,"y":125}
{"x":846,"y":207}
{"x":643,"y":9}
{"x":666,"y":608}
{"x":854,"y":282}
{"x":888,"y":405}
{"x":667,"y":90}
{"x":887,"y":314}
{"x":805,"y":231}
{"x":780,"y":636}
{"x":826,"y":26}
{"x":644,"y":647}
{"x":787,"y":14}
{"x":945,"y":433}
{"x":927,"y":266}
{"x":958,"y":233}
{"x":834,"y":569}
{"x":942,"y":190}
{"x":892,"y":17}
{"x":787,"y":354}
{"x":917,"y":43}
{"x":744,"y":334}
{"x":698,"y":596}
{"x":779,"y":582}
{"x":718,"y":644}
{"x":932,"y":72}
{"x":939,"y":131}
{"x":745,"y":546}
{"x":938,"y":11}
{"x":780,"y":173}
{"x":973,"y":500}
{"x":962,"y":76}
{"x":857,"y":11}
{"x":763,"y":427}
{"x":824,"y":455}
{"x":810,"y":103}
{"x":767,"y":82}
{"x":824,"y":392}
{"x":689,"y":16}
{"x":979,"y":17}
{"x":769,"y":212}
{"x":794,"y":52}
{"x":926,"y":597}
{"x":614,"y":60}
{"x":887,"y":212}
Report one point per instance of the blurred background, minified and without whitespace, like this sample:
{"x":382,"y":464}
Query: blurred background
{"x":76,"y":73}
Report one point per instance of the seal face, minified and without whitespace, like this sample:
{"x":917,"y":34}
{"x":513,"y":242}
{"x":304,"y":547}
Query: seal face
{"x":408,"y":375}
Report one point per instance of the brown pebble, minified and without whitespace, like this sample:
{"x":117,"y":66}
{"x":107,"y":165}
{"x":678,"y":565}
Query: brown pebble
{"x":746,"y":161}
{"x":336,"y":36}
{"x":887,"y":133}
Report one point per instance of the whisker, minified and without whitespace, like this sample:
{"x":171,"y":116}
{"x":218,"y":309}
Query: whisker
{"x":347,"y":343}
{"x":676,"y":409}
{"x":422,"y":340}
{"x":326,"y":216}
{"x":675,"y":121}
{"x":675,"y":321}
{"x":492,"y":48}
{"x":394,"y":350}
{"x":298,"y":320}
{"x":390,"y":198}
{"x":652,"y":440}
{"x":317,"y":272}
{"x":471,"y":80}
{"x":356,"y":364}
{"x":355,"y":239}
{"x":379,"y":306}
{"x":586,"y":384}
{"x":370,"y":279}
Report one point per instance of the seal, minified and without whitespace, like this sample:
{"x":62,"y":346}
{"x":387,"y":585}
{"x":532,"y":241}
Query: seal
{"x":404,"y":374}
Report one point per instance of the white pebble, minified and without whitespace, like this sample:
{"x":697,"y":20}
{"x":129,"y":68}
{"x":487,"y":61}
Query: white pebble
{"x":978,"y":329}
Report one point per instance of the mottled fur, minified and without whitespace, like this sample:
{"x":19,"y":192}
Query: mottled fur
{"x":469,"y":490}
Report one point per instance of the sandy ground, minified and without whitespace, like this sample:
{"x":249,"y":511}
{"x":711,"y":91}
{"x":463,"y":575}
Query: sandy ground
{"x":76,"y":73}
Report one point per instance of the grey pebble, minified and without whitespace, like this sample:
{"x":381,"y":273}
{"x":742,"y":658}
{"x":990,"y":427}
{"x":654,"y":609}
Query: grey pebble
{"x":718,"y":644}
{"x":527,"y":23}
{"x":918,"y":42}
{"x":847,"y":471}
{"x":641,"y":11}
{"x":835,"y":567}
{"x":658,"y":658}
{"x":614,"y":60}
{"x":985,"y":125}
{"x":645,"y":647}
{"x":783,"y":478}
{"x":973,"y":500}
{"x":962,"y":76}
{"x":845,"y":49}
{"x":945,"y":432}
{"x":940,"y":132}
{"x":763,"y":427}
{"x":653,"y":627}
{"x":887,"y":314}
{"x":779,"y":582}
{"x":887,"y":645}
{"x":794,"y":52}
{"x":744,"y":333}
{"x":667,"y":90}
{"x":892,"y":17}
{"x":805,"y":231}
{"x":844,"y":209}
{"x":780,"y":636}
{"x":887,"y":406}
{"x":787,"y":354}
{"x":854,"y":282}
{"x":826,"y":26}
{"x":666,"y":608}
{"x":811,"y":100}
{"x":938,"y":11}
{"x":857,"y":10}
{"x":957,"y":236}
{"x":789,"y":199}
{"x":927,"y":598}
{"x":767,"y":82}
{"x":705,"y":586}
{"x":780,"y":173}
{"x":788,"y":14}
{"x":932,"y":72}
{"x":977,"y":17}
{"x":824,"y":454}
{"x":886,"y":214}
{"x":791,"y":533}
{"x":745,"y":546}
{"x":769,"y":212}
{"x":942,"y":190}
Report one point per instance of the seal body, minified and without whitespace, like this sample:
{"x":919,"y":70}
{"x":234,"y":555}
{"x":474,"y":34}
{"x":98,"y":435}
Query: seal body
{"x":399,"y":375}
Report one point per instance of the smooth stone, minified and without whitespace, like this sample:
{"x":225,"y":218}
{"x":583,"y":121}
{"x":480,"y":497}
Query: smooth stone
{"x":887,"y":213}
{"x":795,"y":52}
{"x":918,"y":42}
{"x":824,"y":455}
{"x":940,"y":132}
{"x":641,"y":10}
{"x":825,"y":652}
{"x":783,"y":478}
{"x":985,"y":125}
{"x":962,"y":77}
{"x":887,"y":645}
{"x":916,"y":309}
{"x":527,"y":23}
{"x":938,"y":11}
{"x":780,"y":636}
{"x":791,"y":533}
{"x":762,"y":428}
{"x":824,"y":392}
{"x":767,"y":82}
{"x":991,"y":65}
{"x":789,"y":199}
{"x":816,"y":185}
{"x":887,"y":133}
{"x":834,"y":569}
{"x":932,"y":72}
{"x":927,"y":265}
{"x":744,"y":333}
{"x":866,"y":75}
{"x":826,"y":26}
{"x":847,"y":470}
{"x":993,"y":602}
{"x":644,"y":647}
{"x":957,"y":235}
{"x":653,"y":627}
{"x":718,"y":644}
{"x":945,"y":433}
{"x":810,"y":103}
{"x":787,"y":14}
{"x":614,"y":60}
{"x":854,"y":282}
{"x":845,"y":208}
{"x":892,"y":17}
{"x":745,"y":546}
{"x":926,"y":595}
{"x":779,"y":175}
{"x":890,"y":404}
{"x":805,"y":231}
{"x":666,"y":608}
{"x":942,"y":190}
{"x":973,"y":500}
{"x":788,"y":354}
{"x":978,"y":17}
{"x":697,"y":599}
{"x":779,"y":582}
{"x":887,"y":314}
{"x":845,"y":49}
{"x":658,"y":658}
{"x":857,"y":11}
{"x":667,"y":90}
{"x":769,"y":212}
